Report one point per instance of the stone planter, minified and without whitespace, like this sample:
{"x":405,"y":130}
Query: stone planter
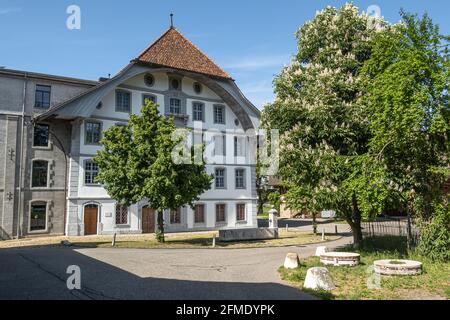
{"x":339,"y":259}
{"x":398,"y":267}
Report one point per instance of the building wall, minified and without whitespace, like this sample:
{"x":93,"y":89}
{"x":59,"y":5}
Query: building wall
{"x":15,"y":204}
{"x":81,"y":194}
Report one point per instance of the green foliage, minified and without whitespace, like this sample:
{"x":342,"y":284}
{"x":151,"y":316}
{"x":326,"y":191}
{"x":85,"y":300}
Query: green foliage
{"x":136,"y":164}
{"x":435,"y":235}
{"x":274,"y":198}
{"x":407,"y":97}
{"x":324,"y":130}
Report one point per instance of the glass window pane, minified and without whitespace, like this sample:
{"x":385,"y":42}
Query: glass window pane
{"x":41,"y":135}
{"x":39,"y":174}
{"x":38,"y":216}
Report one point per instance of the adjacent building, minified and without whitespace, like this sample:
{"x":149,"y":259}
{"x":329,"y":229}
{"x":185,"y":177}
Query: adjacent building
{"x":51,"y":127}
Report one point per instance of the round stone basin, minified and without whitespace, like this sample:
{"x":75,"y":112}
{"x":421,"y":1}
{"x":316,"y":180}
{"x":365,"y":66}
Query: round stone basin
{"x":398,"y":267}
{"x":340,"y":259}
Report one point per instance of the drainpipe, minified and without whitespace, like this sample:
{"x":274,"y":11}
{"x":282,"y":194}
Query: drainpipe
{"x":22,"y":138}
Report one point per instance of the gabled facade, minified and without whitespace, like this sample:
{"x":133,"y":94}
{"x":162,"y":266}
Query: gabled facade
{"x":185,"y":84}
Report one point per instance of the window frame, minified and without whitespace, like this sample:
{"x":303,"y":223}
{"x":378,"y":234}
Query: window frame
{"x":215,"y":108}
{"x":86,"y":142}
{"x":146,"y":95}
{"x":238,"y":139}
{"x":86,"y":162}
{"x":244,"y":177}
{"x":178,"y":212}
{"x":198,"y":104}
{"x":225,"y":221}
{"x":224,"y":145}
{"x":48,"y":138}
{"x":121,"y":91}
{"x":31,"y":203}
{"x":224,"y":178}
{"x":42,"y":92}
{"x":127,"y":223}
{"x":33,"y":170}
{"x":245,"y":213}
{"x":179,"y":106}
{"x":203,"y":222}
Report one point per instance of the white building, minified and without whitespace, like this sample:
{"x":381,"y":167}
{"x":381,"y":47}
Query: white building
{"x":185,"y":83}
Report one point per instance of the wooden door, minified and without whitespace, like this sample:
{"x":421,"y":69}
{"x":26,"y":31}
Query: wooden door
{"x":148,"y":220}
{"x":90,"y":220}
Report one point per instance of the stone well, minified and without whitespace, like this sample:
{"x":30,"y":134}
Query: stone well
{"x":340,"y":259}
{"x":398,"y":267}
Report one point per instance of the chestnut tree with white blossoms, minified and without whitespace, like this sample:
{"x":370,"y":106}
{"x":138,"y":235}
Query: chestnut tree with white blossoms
{"x":324,"y":130}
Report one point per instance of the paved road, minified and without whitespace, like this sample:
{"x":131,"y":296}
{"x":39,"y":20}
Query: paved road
{"x":198,"y":274}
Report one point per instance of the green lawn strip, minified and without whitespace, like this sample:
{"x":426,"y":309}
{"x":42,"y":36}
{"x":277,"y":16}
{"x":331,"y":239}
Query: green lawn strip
{"x":351,"y":282}
{"x":291,"y":238}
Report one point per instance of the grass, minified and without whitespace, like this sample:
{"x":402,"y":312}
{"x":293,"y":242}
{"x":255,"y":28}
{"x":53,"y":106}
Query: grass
{"x":352,"y":282}
{"x":265,"y":214}
{"x":174,"y":241}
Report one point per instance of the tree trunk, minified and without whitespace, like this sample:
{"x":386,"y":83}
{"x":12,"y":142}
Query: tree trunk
{"x":314,"y":216}
{"x":160,"y":232}
{"x":356,"y":225}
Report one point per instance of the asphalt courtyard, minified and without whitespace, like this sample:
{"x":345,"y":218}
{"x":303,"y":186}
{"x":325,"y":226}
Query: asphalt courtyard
{"x":159,"y":274}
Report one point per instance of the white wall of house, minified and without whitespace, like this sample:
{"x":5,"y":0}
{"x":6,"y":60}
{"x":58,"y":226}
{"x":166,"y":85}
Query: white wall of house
{"x":108,"y":117}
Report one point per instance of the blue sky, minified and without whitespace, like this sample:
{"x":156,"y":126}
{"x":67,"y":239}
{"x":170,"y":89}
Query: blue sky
{"x":251,"y":39}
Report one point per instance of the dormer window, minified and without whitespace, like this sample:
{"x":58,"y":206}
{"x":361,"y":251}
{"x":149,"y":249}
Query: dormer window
{"x":198,"y":88}
{"x":149,"y":80}
{"x":175,"y":84}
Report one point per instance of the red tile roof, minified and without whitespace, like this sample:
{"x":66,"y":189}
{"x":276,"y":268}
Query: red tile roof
{"x":173,"y":50}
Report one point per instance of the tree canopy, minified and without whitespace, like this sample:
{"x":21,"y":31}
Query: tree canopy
{"x":136,"y":164}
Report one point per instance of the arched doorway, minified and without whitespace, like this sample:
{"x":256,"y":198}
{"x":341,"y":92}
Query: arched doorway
{"x":90,"y":219}
{"x":148,"y":220}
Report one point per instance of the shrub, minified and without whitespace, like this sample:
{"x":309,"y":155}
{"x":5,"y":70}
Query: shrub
{"x":434,"y":242}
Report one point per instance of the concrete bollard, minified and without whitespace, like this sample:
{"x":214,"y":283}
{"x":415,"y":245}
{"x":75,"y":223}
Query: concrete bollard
{"x":319,"y":279}
{"x":291,"y":261}
{"x":214,"y":242}
{"x":323,"y":234}
{"x":321,"y":250}
{"x":273,"y":219}
{"x":336,"y":229}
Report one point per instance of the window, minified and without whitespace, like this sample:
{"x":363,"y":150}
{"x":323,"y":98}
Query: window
{"x":175,"y":106}
{"x":149,"y":97}
{"x":221,"y":213}
{"x":39,"y":177}
{"x":90,"y":172}
{"x":239,"y":146}
{"x":121,"y":215}
{"x":199,"y":214}
{"x":240,"y":212}
{"x":41,"y":135}
{"x":219,"y":114}
{"x":175,"y":216}
{"x":220,"y":143}
{"x":240,"y":178}
{"x":38,"y":216}
{"x":198,"y":111}
{"x":220,"y":178}
{"x":42,"y":97}
{"x":93,"y":132}
{"x":175,"y":84}
{"x":197,"y":88}
{"x":149,"y":80}
{"x":123,"y":101}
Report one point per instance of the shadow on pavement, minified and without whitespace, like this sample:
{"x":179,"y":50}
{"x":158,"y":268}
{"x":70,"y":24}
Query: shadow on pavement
{"x":39,"y":273}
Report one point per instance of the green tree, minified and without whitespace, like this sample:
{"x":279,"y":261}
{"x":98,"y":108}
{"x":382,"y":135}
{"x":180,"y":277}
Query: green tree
{"x":407,"y":97}
{"x":137,"y":164}
{"x":324,"y":130}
